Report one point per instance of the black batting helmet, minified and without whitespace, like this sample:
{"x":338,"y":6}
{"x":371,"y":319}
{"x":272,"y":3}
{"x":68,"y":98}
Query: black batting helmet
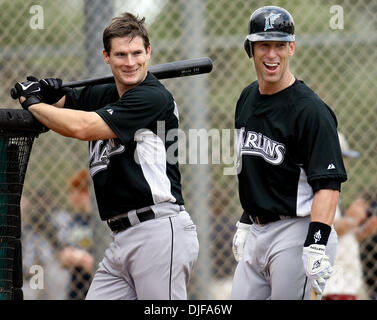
{"x":269,"y":23}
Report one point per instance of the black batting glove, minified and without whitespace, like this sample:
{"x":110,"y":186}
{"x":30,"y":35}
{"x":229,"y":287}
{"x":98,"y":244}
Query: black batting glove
{"x":52,"y":90}
{"x":32,"y":78}
{"x":31,"y":90}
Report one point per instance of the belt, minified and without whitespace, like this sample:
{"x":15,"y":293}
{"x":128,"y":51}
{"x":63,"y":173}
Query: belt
{"x":265,"y":219}
{"x":123,"y":221}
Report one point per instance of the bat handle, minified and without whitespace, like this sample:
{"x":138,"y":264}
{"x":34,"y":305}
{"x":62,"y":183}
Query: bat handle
{"x":14,"y":93}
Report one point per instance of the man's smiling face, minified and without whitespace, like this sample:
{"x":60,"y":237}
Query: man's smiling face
{"x":128,"y":59}
{"x":271,"y":61}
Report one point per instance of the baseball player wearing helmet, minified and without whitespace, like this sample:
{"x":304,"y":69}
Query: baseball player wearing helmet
{"x":290,"y":173}
{"x":137,"y":187}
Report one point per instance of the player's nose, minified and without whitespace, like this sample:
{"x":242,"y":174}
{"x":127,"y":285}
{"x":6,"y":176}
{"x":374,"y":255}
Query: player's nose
{"x":129,"y":60}
{"x":271,"y":53}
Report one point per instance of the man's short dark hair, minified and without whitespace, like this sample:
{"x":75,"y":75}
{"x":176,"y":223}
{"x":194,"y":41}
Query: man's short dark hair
{"x":125,"y":25}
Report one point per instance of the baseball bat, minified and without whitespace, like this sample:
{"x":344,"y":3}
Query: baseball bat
{"x":176,"y":69}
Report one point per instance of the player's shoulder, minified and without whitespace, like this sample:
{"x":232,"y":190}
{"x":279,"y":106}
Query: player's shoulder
{"x":98,"y":90}
{"x":250,"y":89}
{"x":247,"y":93}
{"x":306,"y":100}
{"x":92,"y":96}
{"x":303,"y":94}
{"x":151,"y":91}
{"x":107,"y":88}
{"x":103,"y":93}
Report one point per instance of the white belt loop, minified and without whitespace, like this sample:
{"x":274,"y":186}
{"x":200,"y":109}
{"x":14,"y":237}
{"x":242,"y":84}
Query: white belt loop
{"x":133,"y":217}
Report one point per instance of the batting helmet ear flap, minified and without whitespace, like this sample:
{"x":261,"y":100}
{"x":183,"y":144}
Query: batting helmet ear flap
{"x":247,"y":45}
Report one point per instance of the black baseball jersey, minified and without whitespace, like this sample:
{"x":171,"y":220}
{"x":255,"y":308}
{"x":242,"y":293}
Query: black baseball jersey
{"x":132,"y":171}
{"x":287,"y":141}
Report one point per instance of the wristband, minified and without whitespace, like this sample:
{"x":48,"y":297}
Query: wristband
{"x":318,"y":233}
{"x":30,"y":101}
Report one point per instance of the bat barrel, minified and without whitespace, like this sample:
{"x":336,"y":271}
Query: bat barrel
{"x":182,"y":68}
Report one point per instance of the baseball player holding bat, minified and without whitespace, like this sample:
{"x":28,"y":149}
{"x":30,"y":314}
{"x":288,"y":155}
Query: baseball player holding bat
{"x":290,"y":173}
{"x":138,"y":190}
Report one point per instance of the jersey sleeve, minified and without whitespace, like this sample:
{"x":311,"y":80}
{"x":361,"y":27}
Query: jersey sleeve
{"x":136,"y":110}
{"x":319,"y":148}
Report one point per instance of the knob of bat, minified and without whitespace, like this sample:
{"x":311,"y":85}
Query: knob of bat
{"x":14,"y":93}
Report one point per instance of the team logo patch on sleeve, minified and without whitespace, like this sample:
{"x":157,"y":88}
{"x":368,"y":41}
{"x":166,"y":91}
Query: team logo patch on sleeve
{"x":331,"y":166}
{"x":257,"y":144}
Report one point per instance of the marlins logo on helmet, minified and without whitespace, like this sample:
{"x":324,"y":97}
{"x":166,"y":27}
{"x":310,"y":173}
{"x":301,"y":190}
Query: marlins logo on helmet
{"x":270,"y":19}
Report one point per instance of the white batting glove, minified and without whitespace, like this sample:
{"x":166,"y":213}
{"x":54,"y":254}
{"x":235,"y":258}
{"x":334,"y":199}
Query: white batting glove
{"x":239,"y":240}
{"x":317,"y":266}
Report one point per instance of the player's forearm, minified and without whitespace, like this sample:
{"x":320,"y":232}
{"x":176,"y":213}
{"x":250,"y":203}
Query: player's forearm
{"x":324,"y":206}
{"x":66,"y":122}
{"x":82,"y":125}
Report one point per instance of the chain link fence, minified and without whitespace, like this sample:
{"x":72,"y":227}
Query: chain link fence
{"x":335,"y":55}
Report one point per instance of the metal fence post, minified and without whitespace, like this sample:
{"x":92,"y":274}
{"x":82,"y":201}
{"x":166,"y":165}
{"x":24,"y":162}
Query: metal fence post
{"x":196,"y":88}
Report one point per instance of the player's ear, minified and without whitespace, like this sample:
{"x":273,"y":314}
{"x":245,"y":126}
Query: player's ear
{"x":106,"y":56}
{"x":148,"y":51}
{"x":291,"y":48}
